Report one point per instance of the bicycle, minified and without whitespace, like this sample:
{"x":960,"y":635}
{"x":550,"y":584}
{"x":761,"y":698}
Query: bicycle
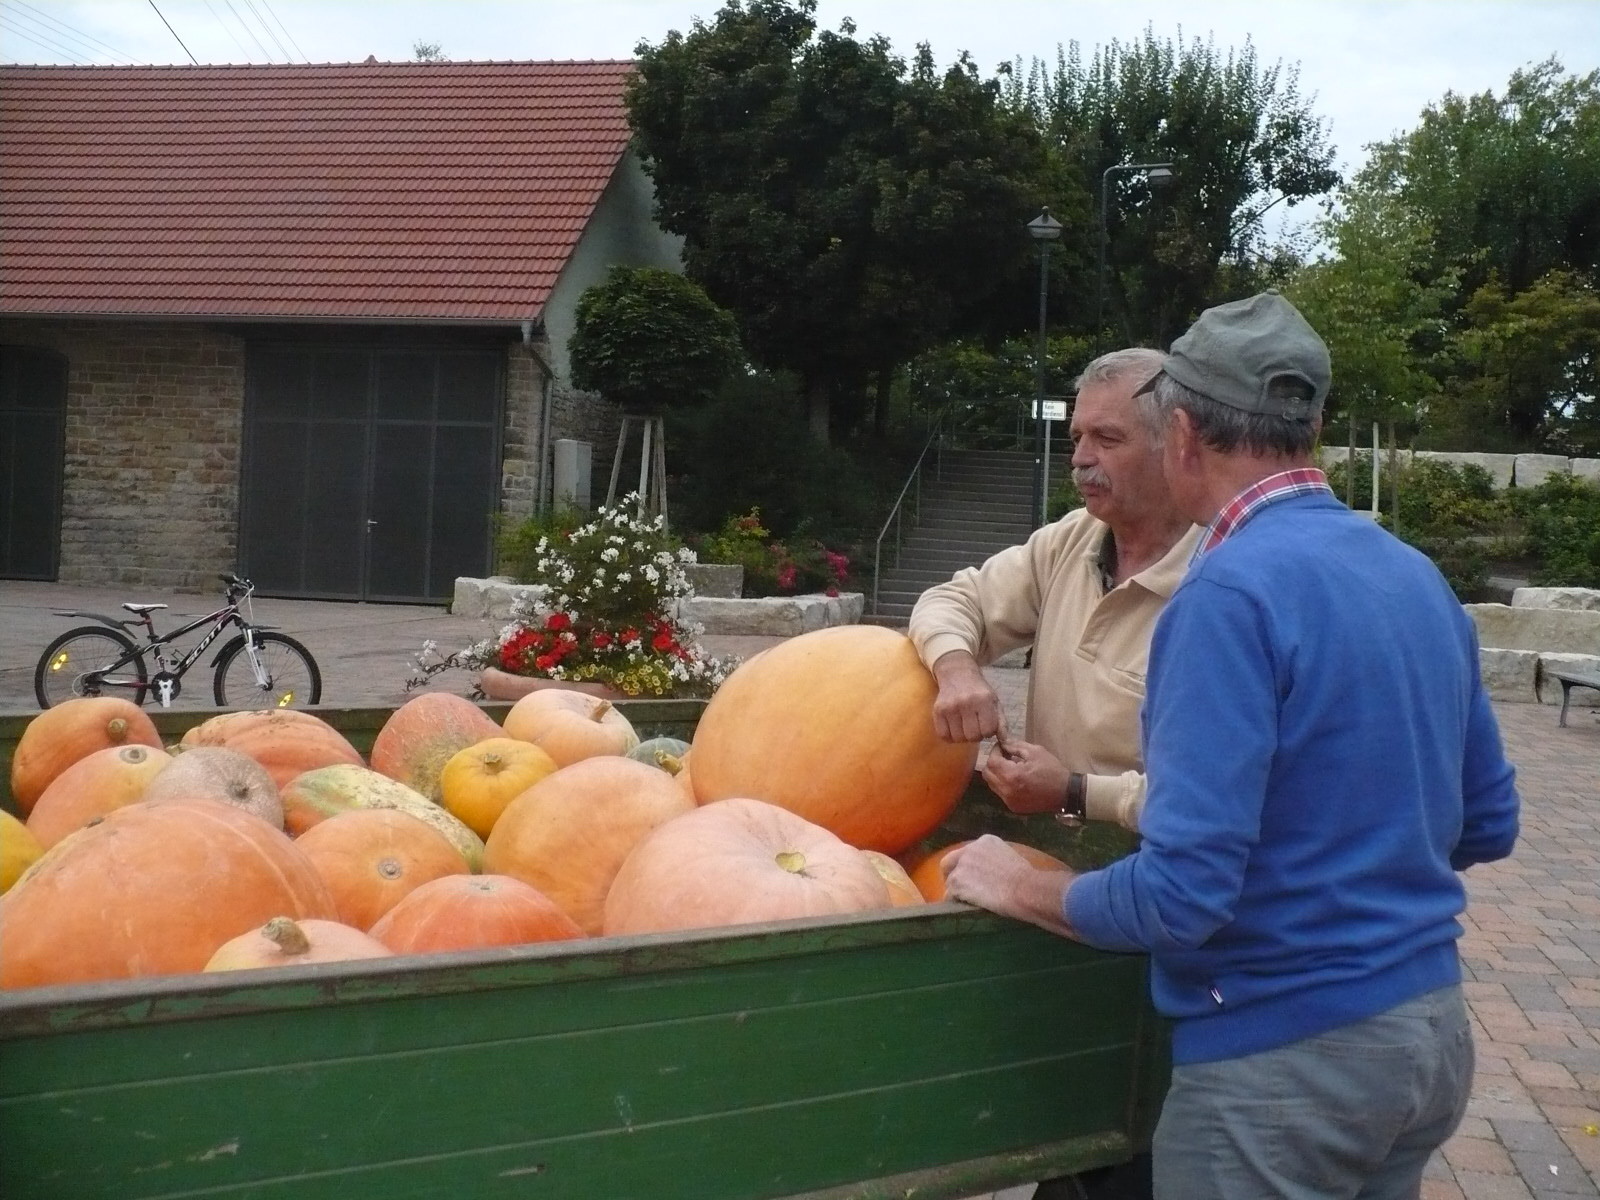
{"x":260,"y":668}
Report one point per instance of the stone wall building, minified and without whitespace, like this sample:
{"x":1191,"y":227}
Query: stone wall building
{"x":307,"y":323}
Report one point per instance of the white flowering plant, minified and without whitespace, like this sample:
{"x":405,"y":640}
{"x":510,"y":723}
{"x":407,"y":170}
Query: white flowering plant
{"x":602,"y":606}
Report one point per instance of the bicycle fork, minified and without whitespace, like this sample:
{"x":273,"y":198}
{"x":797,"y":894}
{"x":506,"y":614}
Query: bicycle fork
{"x":258,"y":668}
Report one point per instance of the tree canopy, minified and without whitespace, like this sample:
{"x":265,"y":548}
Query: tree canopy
{"x":1240,"y":137}
{"x":650,"y":339}
{"x":850,"y":209}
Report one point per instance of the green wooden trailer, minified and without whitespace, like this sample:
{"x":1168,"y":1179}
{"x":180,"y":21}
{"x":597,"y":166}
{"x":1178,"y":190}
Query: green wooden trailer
{"x":931,"y":1052}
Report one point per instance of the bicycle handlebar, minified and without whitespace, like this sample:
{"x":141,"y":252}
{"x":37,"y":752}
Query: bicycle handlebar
{"x":234,"y":584}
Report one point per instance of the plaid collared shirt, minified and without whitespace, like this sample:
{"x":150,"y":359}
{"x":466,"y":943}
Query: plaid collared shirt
{"x":1301,"y":481}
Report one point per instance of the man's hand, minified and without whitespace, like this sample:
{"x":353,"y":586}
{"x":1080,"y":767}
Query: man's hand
{"x":994,"y":876}
{"x":966,"y":709}
{"x":1026,"y":776}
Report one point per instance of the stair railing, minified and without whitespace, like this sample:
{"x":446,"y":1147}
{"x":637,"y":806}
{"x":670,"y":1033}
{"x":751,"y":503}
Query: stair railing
{"x":912,"y":487}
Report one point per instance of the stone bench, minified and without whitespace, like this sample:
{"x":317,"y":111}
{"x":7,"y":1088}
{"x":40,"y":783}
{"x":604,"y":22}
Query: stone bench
{"x":1550,"y":632}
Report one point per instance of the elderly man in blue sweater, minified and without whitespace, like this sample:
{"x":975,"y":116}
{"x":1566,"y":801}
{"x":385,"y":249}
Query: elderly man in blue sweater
{"x":1322,"y":761}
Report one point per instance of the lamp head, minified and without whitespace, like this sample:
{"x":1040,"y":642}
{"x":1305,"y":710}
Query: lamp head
{"x":1044,"y":227}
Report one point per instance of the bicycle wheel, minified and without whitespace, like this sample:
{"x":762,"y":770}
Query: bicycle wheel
{"x":289,"y":677}
{"x":91,"y":660}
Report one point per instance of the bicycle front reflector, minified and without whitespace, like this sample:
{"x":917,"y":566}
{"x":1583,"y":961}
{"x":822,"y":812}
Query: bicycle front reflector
{"x":58,"y":661}
{"x":285,"y":700}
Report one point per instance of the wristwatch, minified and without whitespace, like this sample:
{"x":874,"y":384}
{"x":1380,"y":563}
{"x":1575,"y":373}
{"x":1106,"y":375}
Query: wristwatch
{"x":1074,"y":812}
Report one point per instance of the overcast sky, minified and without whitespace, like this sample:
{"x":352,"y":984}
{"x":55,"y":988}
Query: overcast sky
{"x":1371,"y":66}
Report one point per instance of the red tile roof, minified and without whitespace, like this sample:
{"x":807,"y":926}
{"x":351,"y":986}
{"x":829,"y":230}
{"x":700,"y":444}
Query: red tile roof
{"x":363,"y":191}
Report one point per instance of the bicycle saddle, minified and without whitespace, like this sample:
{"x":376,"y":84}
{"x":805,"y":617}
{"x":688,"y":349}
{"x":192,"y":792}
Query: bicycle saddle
{"x":141,"y":609}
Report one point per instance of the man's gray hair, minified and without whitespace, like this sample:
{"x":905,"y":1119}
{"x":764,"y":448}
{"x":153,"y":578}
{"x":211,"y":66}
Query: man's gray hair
{"x":1224,"y":428}
{"x":1139,"y":362}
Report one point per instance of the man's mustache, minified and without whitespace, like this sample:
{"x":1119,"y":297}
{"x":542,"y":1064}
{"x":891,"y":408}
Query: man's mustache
{"x":1093,"y":476}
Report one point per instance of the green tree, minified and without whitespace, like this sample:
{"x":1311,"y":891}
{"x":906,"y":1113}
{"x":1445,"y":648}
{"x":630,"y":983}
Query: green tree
{"x":648,"y":339}
{"x":1530,"y":367}
{"x":1364,"y":296}
{"x":1242,"y":139}
{"x":851,"y":210}
{"x":1510,"y":184}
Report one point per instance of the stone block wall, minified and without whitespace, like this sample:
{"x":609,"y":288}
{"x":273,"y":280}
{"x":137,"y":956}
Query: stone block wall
{"x":520,"y":467}
{"x":1506,"y":470}
{"x":151,"y":486}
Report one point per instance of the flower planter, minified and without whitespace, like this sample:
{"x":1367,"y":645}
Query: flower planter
{"x":502,"y":685}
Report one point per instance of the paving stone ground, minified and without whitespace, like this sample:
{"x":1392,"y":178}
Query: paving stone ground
{"x":1532,"y":941}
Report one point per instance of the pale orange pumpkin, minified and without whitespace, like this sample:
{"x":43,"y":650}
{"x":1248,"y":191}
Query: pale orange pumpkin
{"x":737,"y":862}
{"x":928,"y":874}
{"x":570,"y":726}
{"x":471,"y":912}
{"x":371,"y":858}
{"x":837,"y":726}
{"x":317,"y":795}
{"x":423,"y":734}
{"x":568,"y":834}
{"x":479,"y":781}
{"x":59,"y":736}
{"x":217,"y":773}
{"x":282,"y":942}
{"x":286,"y":741}
{"x":93,"y":786}
{"x":902,"y":889}
{"x":151,"y":889}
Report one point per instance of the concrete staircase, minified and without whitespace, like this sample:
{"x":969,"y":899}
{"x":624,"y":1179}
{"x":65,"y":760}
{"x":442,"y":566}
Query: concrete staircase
{"x":974,"y":503}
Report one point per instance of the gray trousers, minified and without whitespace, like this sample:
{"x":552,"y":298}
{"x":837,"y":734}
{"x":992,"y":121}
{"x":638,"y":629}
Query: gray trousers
{"x":1352,"y":1114}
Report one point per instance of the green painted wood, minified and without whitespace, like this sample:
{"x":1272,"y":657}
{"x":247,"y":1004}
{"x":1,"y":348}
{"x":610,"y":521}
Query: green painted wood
{"x":788,"y":1060}
{"x":937,"y":1051}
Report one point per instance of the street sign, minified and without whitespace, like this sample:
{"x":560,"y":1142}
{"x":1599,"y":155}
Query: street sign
{"x":1054,"y":410}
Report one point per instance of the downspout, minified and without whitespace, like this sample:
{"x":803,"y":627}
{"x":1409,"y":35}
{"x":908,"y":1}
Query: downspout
{"x":543,"y":441}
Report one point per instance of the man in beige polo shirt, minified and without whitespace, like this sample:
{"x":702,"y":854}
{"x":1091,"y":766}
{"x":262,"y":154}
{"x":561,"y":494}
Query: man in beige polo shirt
{"x":1085,"y":592}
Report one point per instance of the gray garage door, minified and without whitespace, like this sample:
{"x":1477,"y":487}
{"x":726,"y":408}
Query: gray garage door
{"x":369,"y":474}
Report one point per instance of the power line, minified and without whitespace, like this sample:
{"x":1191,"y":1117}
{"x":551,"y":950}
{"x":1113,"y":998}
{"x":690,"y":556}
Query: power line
{"x":244,"y":25}
{"x":286,"y":32}
{"x":54,"y":47}
{"x":245,"y":54}
{"x":61,"y":29}
{"x":174,"y":33}
{"x":250,"y":4}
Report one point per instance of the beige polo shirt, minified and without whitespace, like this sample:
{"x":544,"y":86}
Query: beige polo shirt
{"x":1090,"y":646}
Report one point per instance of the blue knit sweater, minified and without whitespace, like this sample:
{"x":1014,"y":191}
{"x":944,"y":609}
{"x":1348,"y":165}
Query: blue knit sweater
{"x":1322,"y":760}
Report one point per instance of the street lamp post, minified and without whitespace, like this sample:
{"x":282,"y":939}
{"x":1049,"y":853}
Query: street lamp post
{"x":1156,"y":175}
{"x":1044,"y":229}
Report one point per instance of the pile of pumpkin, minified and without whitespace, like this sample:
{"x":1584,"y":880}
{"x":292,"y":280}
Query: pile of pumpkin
{"x":264,"y":839}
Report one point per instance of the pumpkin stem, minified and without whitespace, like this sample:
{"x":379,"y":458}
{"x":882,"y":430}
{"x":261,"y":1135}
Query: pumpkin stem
{"x":670,"y":763}
{"x":792,"y":861}
{"x":117,"y":728}
{"x":600,"y":711}
{"x":136,"y":754}
{"x":283,"y":933}
{"x":493,"y":763}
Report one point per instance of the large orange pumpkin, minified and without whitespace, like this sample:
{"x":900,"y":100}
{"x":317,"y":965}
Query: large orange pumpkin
{"x":479,"y":781}
{"x":73,"y":729}
{"x":151,"y":889}
{"x":837,"y":726}
{"x":423,"y":733}
{"x":470,"y":912}
{"x":217,"y":773}
{"x":285,"y":943}
{"x":570,"y":726}
{"x":286,"y":741}
{"x":312,"y":798}
{"x":371,"y":858}
{"x":928,"y":874}
{"x":92,"y":787}
{"x":568,"y":834}
{"x":737,"y":862}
